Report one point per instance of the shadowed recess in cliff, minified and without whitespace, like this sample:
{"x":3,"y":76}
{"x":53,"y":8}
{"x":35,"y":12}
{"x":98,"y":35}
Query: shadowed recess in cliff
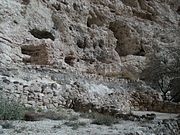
{"x":42,"y":34}
{"x":128,"y":42}
{"x":35,"y":54}
{"x":178,"y":10}
{"x":70,"y":59}
{"x":25,"y":2}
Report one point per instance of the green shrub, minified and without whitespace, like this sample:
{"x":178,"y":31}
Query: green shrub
{"x":7,"y":125}
{"x":20,"y":130}
{"x":39,"y":110}
{"x":55,"y":115}
{"x":73,"y":117}
{"x":89,"y":115}
{"x":57,"y":126}
{"x":101,"y":119}
{"x":75,"y":124}
{"x":11,"y":110}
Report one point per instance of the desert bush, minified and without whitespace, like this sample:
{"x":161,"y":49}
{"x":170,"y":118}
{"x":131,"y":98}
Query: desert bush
{"x":20,"y":130}
{"x":55,"y":115}
{"x":100,"y":119}
{"x":11,"y":110}
{"x":75,"y":124}
{"x":61,"y":114}
{"x":163,"y":70}
{"x":33,"y":116}
{"x":7,"y":125}
{"x":92,"y":115}
{"x":73,"y":117}
{"x":104,"y":120}
{"x":57,"y":126}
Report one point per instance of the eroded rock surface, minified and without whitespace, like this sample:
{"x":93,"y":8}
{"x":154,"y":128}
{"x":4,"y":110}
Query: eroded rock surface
{"x":91,"y":36}
{"x":84,"y":54}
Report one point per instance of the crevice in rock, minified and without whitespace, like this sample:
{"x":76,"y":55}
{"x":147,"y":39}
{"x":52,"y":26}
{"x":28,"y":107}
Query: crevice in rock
{"x":140,"y":53}
{"x":178,"y":10}
{"x":70,"y":59}
{"x":76,"y":7}
{"x":25,"y":2}
{"x":64,"y":2}
{"x":35,"y":54}
{"x":89,"y":22}
{"x":57,"y":6}
{"x":101,"y":43}
{"x":130,"y":3}
{"x":81,"y":43}
{"x":42,"y":34}
{"x":70,"y":28}
{"x":119,"y":50}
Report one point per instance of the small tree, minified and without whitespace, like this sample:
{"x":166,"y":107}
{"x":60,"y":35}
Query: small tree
{"x":163,"y":67}
{"x":174,"y":87}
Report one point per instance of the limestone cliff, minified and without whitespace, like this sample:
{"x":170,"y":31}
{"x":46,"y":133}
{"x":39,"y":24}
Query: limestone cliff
{"x":81,"y":52}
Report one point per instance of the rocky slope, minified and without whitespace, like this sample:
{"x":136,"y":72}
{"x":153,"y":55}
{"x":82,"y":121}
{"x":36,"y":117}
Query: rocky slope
{"x":84,"y":54}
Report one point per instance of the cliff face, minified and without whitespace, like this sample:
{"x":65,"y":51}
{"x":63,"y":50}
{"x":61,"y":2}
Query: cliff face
{"x":59,"y":52}
{"x":87,"y":55}
{"x":100,"y":37}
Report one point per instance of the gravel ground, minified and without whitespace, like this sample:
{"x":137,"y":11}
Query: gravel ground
{"x":160,"y":126}
{"x":47,"y":127}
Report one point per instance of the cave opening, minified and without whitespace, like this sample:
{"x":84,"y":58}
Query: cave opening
{"x":178,"y":10}
{"x":35,"y":54}
{"x":42,"y":34}
{"x":70,"y":60}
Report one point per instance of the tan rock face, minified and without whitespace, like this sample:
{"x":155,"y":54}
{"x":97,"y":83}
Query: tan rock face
{"x":151,"y":101}
{"x":96,"y":32}
{"x":101,"y":38}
